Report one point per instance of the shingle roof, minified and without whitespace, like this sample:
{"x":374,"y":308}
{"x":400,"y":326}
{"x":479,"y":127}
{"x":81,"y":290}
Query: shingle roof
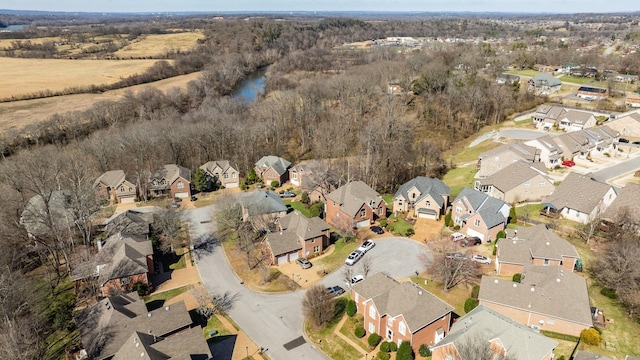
{"x":584,"y":355}
{"x":224,"y":165}
{"x":262,"y":202}
{"x":426,"y":186}
{"x":534,"y":242}
{"x":515,"y":174}
{"x":520,"y":342}
{"x":578,"y":192}
{"x":486,"y":206}
{"x":170,"y":172}
{"x":111,"y":178}
{"x":557,"y":293}
{"x":577,"y":117}
{"x":627,"y":199}
{"x":353,"y":195}
{"x":278,"y":164}
{"x":123,"y":256}
{"x":296,"y":228}
{"x":545,"y":79}
{"x":526,"y":152}
{"x":129,"y":222}
{"x":418,"y":306}
{"x":550,"y":111}
{"x":35,"y":217}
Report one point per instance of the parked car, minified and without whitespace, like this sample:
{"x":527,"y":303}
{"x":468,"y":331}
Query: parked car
{"x":568,"y":163}
{"x":303,"y":262}
{"x":480,"y":259}
{"x":471,"y":241}
{"x":636,"y":143}
{"x":377,"y":229}
{"x":260,"y":186}
{"x":623,"y":140}
{"x":456,"y":256}
{"x":287,"y":194}
{"x":193,"y":198}
{"x":353,"y":257}
{"x":175,"y":205}
{"x":456,"y":236}
{"x":354,"y":280}
{"x":366,"y":246}
{"x":335,"y":290}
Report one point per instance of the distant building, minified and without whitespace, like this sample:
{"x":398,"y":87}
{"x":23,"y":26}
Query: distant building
{"x":592,"y":93}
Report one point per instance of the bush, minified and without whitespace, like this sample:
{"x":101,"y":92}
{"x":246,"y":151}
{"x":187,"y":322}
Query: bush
{"x":243,"y":186}
{"x":385,"y":346}
{"x":405,"y":352}
{"x":351,"y":308}
{"x":447,"y":219}
{"x":374,"y":340}
{"x":383,"y":222}
{"x":590,"y":336}
{"x":304,"y":198}
{"x":383,"y":356}
{"x":470,"y":304}
{"x":409,"y":232}
{"x":142,"y":289}
{"x":274,"y":184}
{"x":475,"y":290}
{"x":317,"y":209}
{"x":456,"y":228}
{"x":513,"y":218}
{"x":424,"y":350}
{"x":393,"y":346}
{"x":359,"y":332}
{"x":495,"y":250}
{"x":561,"y":357}
{"x":501,"y":235}
{"x":610,"y":293}
{"x":516,"y":278}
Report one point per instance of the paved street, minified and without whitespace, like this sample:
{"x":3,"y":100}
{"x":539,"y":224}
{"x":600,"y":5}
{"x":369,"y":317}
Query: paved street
{"x":617,"y":170}
{"x":522,"y":134}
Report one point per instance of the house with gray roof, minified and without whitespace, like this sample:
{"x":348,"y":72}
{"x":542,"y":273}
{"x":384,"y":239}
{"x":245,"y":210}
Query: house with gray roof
{"x":134,"y":222}
{"x":602,"y":138}
{"x":298,"y":236}
{"x":113,"y":187}
{"x":547,"y":298}
{"x":354,"y":204}
{"x":574,"y":120}
{"x":44,"y":214}
{"x":628,"y":124}
{"x":221,"y":173}
{"x":535,"y":245}
{"x":579,"y":198}
{"x":546,"y":116}
{"x":261,"y":204}
{"x":272,"y":168}
{"x":425,"y":197}
{"x":625,"y":208}
{"x":544,"y":84}
{"x":585,"y":355}
{"x":121,"y":327}
{"x":401,"y":312}
{"x":551,"y":154}
{"x":316,"y":178}
{"x":479,"y":214}
{"x":501,"y":334}
{"x":574,"y":144}
{"x":489,"y":162}
{"x":171,"y":180}
{"x":520,"y":181}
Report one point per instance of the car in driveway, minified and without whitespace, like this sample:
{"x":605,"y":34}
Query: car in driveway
{"x":353,"y":257}
{"x":303,"y":262}
{"x":377,"y":229}
{"x":193,"y":198}
{"x":456,"y":256}
{"x":335,"y":290}
{"x":354,"y":280}
{"x":366,"y":246}
{"x":568,"y":163}
{"x":636,"y":143}
{"x":471,"y":241}
{"x":287,"y":194}
{"x":480,"y":259}
{"x":623,"y":140}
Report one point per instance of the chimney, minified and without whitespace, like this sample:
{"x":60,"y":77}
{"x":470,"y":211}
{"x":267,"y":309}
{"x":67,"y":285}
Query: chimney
{"x":99,"y":244}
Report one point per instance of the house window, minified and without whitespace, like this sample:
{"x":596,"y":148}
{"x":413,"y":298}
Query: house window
{"x":390,"y":322}
{"x":164,"y":182}
{"x":316,"y":249}
{"x":121,"y":188}
{"x":234,"y":175}
{"x":402,"y":328}
{"x":372,"y":328}
{"x":542,"y":183}
{"x":313,"y":240}
{"x":428,"y":204}
{"x":155,"y":182}
{"x":130,"y":188}
{"x":294,"y":176}
{"x":546,"y":262}
{"x":180,"y":185}
{"x":413,"y":195}
{"x":124,"y":280}
{"x":226,"y":176}
{"x":399,"y":203}
{"x":381,"y":211}
{"x":272,"y":175}
{"x":526,"y":185}
{"x":372,"y":312}
{"x":363,"y":213}
{"x":458,"y":209}
{"x":476,"y":222}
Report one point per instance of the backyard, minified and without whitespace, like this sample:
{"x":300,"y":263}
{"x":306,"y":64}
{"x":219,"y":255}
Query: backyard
{"x":458,"y":178}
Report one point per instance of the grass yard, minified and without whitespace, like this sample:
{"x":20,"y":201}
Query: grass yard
{"x":470,"y":154}
{"x":336,"y":259}
{"x":166,"y":295}
{"x":389,"y":200}
{"x":159,"y":45}
{"x":458,"y":178}
{"x":215,"y":325}
{"x":525,"y":72}
{"x":399,"y":226}
{"x":298,"y":206}
{"x":332,"y":345}
{"x":349,"y":327}
{"x":454,"y":297}
{"x":576,"y":79}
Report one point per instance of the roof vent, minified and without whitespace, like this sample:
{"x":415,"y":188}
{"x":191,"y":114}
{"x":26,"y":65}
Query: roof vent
{"x":167,"y":308}
{"x":533,"y":289}
{"x":496,"y":281}
{"x":548,"y":243}
{"x":558,"y":280}
{"x":515,"y":285}
{"x":148,"y":314}
{"x":419,"y":292}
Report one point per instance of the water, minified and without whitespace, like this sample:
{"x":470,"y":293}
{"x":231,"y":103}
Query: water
{"x":13,"y":28}
{"x":251,"y":87}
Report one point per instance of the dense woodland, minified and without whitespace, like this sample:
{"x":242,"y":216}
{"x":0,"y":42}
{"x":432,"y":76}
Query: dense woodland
{"x":321,"y":102}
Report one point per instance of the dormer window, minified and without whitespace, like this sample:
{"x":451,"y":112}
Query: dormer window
{"x":180,"y":185}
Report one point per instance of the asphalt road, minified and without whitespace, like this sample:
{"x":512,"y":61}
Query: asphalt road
{"x":273,"y":320}
{"x":617,"y":170}
{"x":522,"y":134}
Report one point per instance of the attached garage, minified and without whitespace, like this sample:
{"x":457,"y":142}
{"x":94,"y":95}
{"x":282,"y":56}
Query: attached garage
{"x":424,"y":213}
{"x":232,"y":185}
{"x":127,"y":200}
{"x":182,"y":195}
{"x":472,"y":232}
{"x":282,"y":259}
{"x":293,"y":256}
{"x":363,"y":223}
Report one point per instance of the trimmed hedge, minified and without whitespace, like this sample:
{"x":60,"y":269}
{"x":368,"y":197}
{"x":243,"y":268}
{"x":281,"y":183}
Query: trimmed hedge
{"x":351,"y":308}
{"x":470,"y":304}
{"x":610,"y":293}
{"x":475,"y":291}
{"x":424,"y":350}
{"x":517,"y":277}
{"x":383,"y":356}
{"x":590,"y":336}
{"x":374,"y":340}
{"x":359,"y":332}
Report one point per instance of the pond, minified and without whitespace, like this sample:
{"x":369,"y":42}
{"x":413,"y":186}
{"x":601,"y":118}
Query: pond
{"x":13,"y":28}
{"x":249,"y":88}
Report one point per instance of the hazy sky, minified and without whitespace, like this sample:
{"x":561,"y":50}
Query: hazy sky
{"x":564,"y":6}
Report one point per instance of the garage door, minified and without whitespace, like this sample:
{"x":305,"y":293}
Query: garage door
{"x":293,"y":256}
{"x":182,"y":195}
{"x":282,"y":259}
{"x":362,"y":223}
{"x":127,"y":200}
{"x":427,"y":214}
{"x":232,"y":185}
{"x":472,"y":232}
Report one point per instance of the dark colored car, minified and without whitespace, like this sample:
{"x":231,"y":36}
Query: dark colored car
{"x":471,"y":241}
{"x":335,"y":290}
{"x":636,"y":143}
{"x":377,"y":229}
{"x":193,"y":198}
{"x":623,"y":140}
{"x":304,"y":263}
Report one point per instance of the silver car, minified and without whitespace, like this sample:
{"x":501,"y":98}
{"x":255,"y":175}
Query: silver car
{"x":353,"y":257}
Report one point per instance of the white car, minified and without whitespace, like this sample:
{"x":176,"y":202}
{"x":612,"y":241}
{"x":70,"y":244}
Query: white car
{"x":480,"y":259}
{"x":353,"y":257}
{"x":366,"y":246}
{"x":354,"y":280}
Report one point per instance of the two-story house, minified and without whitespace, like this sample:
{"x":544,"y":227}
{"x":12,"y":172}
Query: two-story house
{"x":171,"y":180}
{"x":520,"y":181}
{"x":489,"y":162}
{"x":315,"y":177}
{"x":272,"y":168}
{"x":551,"y":154}
{"x":574,"y":120}
{"x":546,"y":116}
{"x":425,"y":197}
{"x":354,"y":204}
{"x":401,"y":312}
{"x":297,"y":236}
{"x":113,"y":187}
{"x":479,"y":214}
{"x":261,"y":206}
{"x":222,"y":173}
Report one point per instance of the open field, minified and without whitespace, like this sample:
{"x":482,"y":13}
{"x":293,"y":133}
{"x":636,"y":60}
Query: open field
{"x":159,"y":45}
{"x":7,"y":43}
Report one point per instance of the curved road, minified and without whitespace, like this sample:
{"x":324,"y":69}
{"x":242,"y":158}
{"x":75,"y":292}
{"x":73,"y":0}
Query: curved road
{"x":273,"y":320}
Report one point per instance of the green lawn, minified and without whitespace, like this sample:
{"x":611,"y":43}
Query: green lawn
{"x":400,"y":225}
{"x":298,"y":206}
{"x":349,"y":327}
{"x":214,"y":325}
{"x":470,"y":154}
{"x":389,"y":200}
{"x":340,"y":252}
{"x":525,"y":72}
{"x":576,"y":79}
{"x":458,"y":178}
{"x":325,"y":339}
{"x":166,"y":295}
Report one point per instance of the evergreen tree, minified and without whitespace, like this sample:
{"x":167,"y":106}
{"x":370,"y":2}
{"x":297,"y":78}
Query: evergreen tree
{"x":200,"y":180}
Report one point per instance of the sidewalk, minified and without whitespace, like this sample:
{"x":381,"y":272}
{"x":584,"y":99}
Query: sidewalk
{"x":243,"y":344}
{"x":336,"y":331}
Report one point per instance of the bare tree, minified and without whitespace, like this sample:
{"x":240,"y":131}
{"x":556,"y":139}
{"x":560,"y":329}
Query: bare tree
{"x":449,"y":267}
{"x":228,"y":215}
{"x":213,"y":303}
{"x":168,"y":227}
{"x":365,"y":264}
{"x":318,"y":305}
{"x":347,"y":274}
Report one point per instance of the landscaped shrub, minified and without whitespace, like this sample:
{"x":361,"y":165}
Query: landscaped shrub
{"x":374,"y":340}
{"x":561,"y":357}
{"x":424,"y":350}
{"x":501,"y":235}
{"x":393,"y":346}
{"x":470,"y":304}
{"x":475,"y":290}
{"x":359,"y":332}
{"x":383,"y":356}
{"x":456,"y":228}
{"x":409,"y":232}
{"x":317,"y":209}
{"x":495,"y":250}
{"x":590,"y":336}
{"x":243,"y":186}
{"x":610,"y":293}
{"x":513,"y":218}
{"x":405,"y":352}
{"x":304,"y":198}
{"x":516,"y":277}
{"x":274,"y":184}
{"x":383,"y":222}
{"x":142,"y":288}
{"x":351,"y":308}
{"x":447,"y":219}
{"x":385,"y":346}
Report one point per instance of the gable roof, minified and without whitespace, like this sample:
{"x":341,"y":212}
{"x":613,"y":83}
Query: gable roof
{"x":171,"y":173}
{"x":123,"y":256}
{"x":515,"y":174}
{"x":534,"y":242}
{"x":262,"y":202}
{"x":353,"y":195}
{"x":584,"y":355}
{"x":224,"y":165}
{"x":520,"y":342}
{"x":548,"y":143}
{"x":577,"y":117}
{"x":418,"y":306}
{"x":550,"y":111}
{"x":427,"y":187}
{"x":111,"y":178}
{"x":130,"y":222}
{"x":547,"y":79}
{"x":578,"y":192}
{"x":296,"y":228}
{"x":35,"y":218}
{"x":627,"y":199}
{"x":556,"y":292}
{"x":486,"y":206}
{"x":278,"y":164}
{"x":519,"y":148}
{"x":188,"y":344}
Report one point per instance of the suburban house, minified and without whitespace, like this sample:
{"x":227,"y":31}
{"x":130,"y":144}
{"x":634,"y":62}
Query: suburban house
{"x":574,"y":120}
{"x":547,"y":298}
{"x":299,"y":236}
{"x":43,"y":213}
{"x":504,"y":336}
{"x":489,"y":162}
{"x":535,"y":245}
{"x":354,"y":204}
{"x":113,"y":187}
{"x":632,"y":100}
{"x":520,"y":181}
{"x":272,"y":168}
{"x":625,"y":208}
{"x":546,"y":116}
{"x":221,"y":173}
{"x":543,"y":68}
{"x":479,"y":214}
{"x":171,"y":180}
{"x":121,"y":327}
{"x":602,"y":138}
{"x":425,"y":197}
{"x":544,"y":84}
{"x":262,"y":206}
{"x":579,"y":198}
{"x":592,"y":93}
{"x":315,"y":177}
{"x":551,"y":153}
{"x":508,"y":79}
{"x":574,"y":144}
{"x":400,"y":312}
{"x":627,"y":125}
{"x":625,"y":78}
{"x":133,"y":222}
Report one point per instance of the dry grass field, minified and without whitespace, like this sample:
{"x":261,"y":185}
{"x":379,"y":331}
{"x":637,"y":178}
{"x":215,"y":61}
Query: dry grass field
{"x":158,"y":45}
{"x":6,"y":43}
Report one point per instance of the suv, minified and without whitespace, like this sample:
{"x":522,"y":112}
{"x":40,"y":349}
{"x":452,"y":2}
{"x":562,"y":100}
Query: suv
{"x":354,"y":280}
{"x":471,"y":241}
{"x":377,"y":229}
{"x":304,"y":263}
{"x":335,"y":291}
{"x":353,"y":257}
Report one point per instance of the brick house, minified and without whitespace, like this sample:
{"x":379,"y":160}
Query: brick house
{"x":479,"y":214}
{"x":315,"y":177}
{"x":113,"y":187}
{"x":535,"y":245}
{"x":272,"y":168}
{"x":354,"y":204}
{"x":489,"y":162}
{"x":401,"y":312}
{"x":299,"y":236}
{"x":171,"y":180}
{"x":520,"y":181}
{"x":222,"y":173}
{"x":592,"y":93}
{"x":263,"y":206}
{"x":425,"y":197}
